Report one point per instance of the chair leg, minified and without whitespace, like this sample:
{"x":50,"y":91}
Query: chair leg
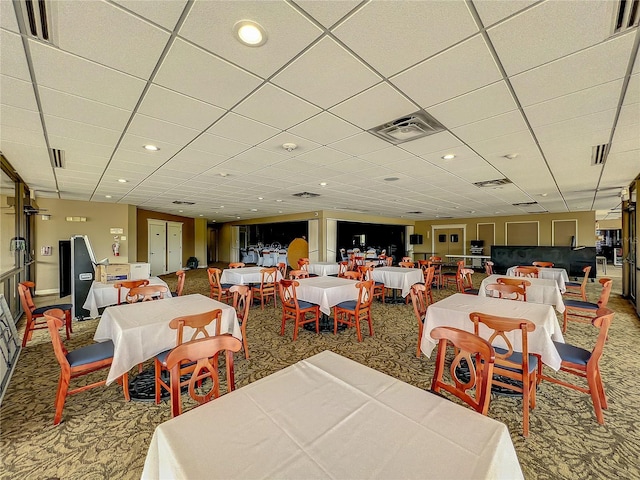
{"x":595,"y":397}
{"x":525,"y":406}
{"x":68,"y":325}
{"x":158,"y":372}
{"x":27,"y":332}
{"x":245,"y":347}
{"x":296,"y":325}
{"x":61,"y":396}
{"x":283,"y":320}
{"x":564,"y":321}
{"x":357,"y":322}
{"x":602,"y":394}
{"x":124,"y":381}
{"x":420,"y":328}
{"x":370,"y":320}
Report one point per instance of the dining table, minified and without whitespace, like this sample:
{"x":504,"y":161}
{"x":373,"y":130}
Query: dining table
{"x":140,"y":331}
{"x":322,"y":269}
{"x":454,"y":311}
{"x":398,"y":278}
{"x":330,"y":417}
{"x":326,"y":291}
{"x":552,"y":273}
{"x":541,"y":290}
{"x":244,"y":275}
{"x":103,"y":294}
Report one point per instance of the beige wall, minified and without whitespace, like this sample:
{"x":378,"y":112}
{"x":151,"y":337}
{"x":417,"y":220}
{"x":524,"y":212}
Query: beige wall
{"x":614,"y":224}
{"x":200,"y":238}
{"x":100,"y":218}
{"x":188,"y":233}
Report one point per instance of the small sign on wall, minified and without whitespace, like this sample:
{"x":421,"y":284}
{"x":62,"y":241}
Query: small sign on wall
{"x":46,"y":251}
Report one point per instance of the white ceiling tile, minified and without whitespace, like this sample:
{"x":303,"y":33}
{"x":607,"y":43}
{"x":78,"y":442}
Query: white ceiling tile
{"x":154,"y":129}
{"x":325,"y":128}
{"x":210,"y":24}
{"x":17,"y":93}
{"x":218,"y":145}
{"x":599,"y":64}
{"x":340,"y":68}
{"x":9,"y":134}
{"x":514,"y":143}
{"x":328,"y":12}
{"x":8,"y":17}
{"x":68,"y":73}
{"x":387,"y":156}
{"x":472,"y":107}
{"x":492,"y":11}
{"x":360,"y":144}
{"x":449,"y":74}
{"x":322,"y":156}
{"x":578,"y":128}
{"x":375,"y":106}
{"x":161,"y":12}
{"x":12,"y":58}
{"x":632,"y":94}
{"x":210,"y":79}
{"x":291,"y":110}
{"x":630,"y":115}
{"x":505,"y":124}
{"x":20,"y":118}
{"x":392,"y":36}
{"x":79,"y":147}
{"x":61,"y":127}
{"x":195,"y":159}
{"x":242,"y":129}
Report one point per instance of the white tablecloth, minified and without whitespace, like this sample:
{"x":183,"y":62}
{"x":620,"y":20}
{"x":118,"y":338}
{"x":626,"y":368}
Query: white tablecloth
{"x":140,"y":331}
{"x":454,"y":311}
{"x":557,"y":274}
{"x":326,"y":291}
{"x":323,"y":269}
{"x":105,"y":294}
{"x":272,"y":258}
{"x":541,"y":290}
{"x":398,"y":277}
{"x":244,"y":276}
{"x":330,"y":417}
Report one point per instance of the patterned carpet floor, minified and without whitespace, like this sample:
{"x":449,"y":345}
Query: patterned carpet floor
{"x":104,"y":437}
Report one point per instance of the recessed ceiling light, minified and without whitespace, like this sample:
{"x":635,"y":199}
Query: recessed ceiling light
{"x":254,"y":209}
{"x":221,"y":206}
{"x":238,"y":218}
{"x":122,"y":180}
{"x":544,"y":194}
{"x":250,"y":33}
{"x":279,"y":200}
{"x":151,"y":148}
{"x":279,"y":211}
{"x":511,"y":156}
{"x":323,"y":184}
{"x":107,"y":196}
{"x":201,"y":215}
{"x":449,"y":156}
{"x":222,"y":174}
{"x":260,"y":198}
{"x":180,"y":211}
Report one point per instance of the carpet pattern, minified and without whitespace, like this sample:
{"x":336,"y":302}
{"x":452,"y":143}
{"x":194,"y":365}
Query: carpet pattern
{"x":102,"y":436}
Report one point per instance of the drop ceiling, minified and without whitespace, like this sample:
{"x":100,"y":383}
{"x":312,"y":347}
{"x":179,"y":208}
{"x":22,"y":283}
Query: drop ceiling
{"x":545,"y":81}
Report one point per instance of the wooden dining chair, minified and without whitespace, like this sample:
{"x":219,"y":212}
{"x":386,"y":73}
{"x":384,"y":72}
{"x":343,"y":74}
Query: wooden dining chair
{"x":352,"y":275}
{"x":488,"y":267}
{"x":543,"y":264}
{"x":236,"y":265}
{"x":520,"y":366}
{"x":146,"y":293}
{"x":521,"y":271}
{"x":343,"y":267}
{"x":404,"y":264}
{"x":583,"y":363}
{"x":79,"y":362}
{"x":407,"y":259}
{"x":353,"y":311}
{"x":181,"y":274}
{"x":429,"y":276}
{"x":437,"y":271}
{"x":35,"y":315}
{"x":584,"y":312}
{"x":451,"y":278}
{"x":471,"y":369}
{"x":465,"y":282}
{"x":198,"y":324}
{"x":242,"y":299}
{"x":217,"y":290}
{"x":128,"y":284}
{"x":420,"y":302}
{"x":296,"y":310}
{"x":282,"y":268}
{"x":296,"y":274}
{"x":518,"y":281}
{"x":579,"y":289}
{"x":202,"y":355}
{"x":266,"y":289}
{"x":366,"y":273}
{"x":508,"y":292}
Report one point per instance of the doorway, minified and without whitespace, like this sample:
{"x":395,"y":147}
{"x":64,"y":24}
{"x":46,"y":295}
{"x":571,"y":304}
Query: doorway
{"x":157,"y":247}
{"x":174,"y":246}
{"x":449,"y":240}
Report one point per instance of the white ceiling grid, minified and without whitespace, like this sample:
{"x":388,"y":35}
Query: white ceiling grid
{"x":541,"y":79}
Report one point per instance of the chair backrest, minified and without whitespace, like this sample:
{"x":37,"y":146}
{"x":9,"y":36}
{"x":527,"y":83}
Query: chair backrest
{"x":268,"y":277}
{"x":602,"y":321}
{"x":282,"y":268}
{"x":520,"y":281}
{"x":198,"y":322}
{"x":388,"y":261}
{"x":434,"y":258}
{"x":352,"y":275}
{"x":365,"y":295}
{"x":214,"y":281}
{"x":366,"y":272}
{"x":55,"y":320}
{"x":509,"y":292}
{"x":407,"y":259}
{"x":202,"y":352}
{"x":303,"y":264}
{"x":404,"y":264}
{"x":343,"y":266}
{"x":531,"y":272}
{"x":606,"y":283}
{"x":181,"y":274}
{"x":24,"y":290}
{"x":146,"y":293}
{"x":465,"y":281}
{"x":287,"y":293}
{"x":585,"y":279}
{"x":242,"y":296}
{"x":128,"y":284}
{"x":429,"y":274}
{"x":423,"y":264}
{"x":488,"y":267}
{"x":479,"y":356}
{"x":542,"y":264}
{"x":236,"y":265}
{"x":419,"y":300}
{"x":296,"y":274}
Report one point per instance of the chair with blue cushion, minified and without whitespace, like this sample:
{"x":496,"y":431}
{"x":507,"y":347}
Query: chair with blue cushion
{"x":80,"y":361}
{"x":420,"y":302}
{"x":379,"y":290}
{"x":584,"y":312}
{"x":267,"y":288}
{"x":510,"y":364}
{"x":465,"y":282}
{"x":578,"y":289}
{"x":181,"y":274}
{"x":218,"y":291}
{"x":128,"y":284}
{"x":242,"y":300}
{"x":34,"y":313}
{"x":296,"y":310}
{"x":584,"y":363}
{"x":353,"y":311}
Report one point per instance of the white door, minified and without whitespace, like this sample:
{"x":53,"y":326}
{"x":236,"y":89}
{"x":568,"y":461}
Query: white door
{"x":235,"y":244}
{"x":174,"y":246}
{"x":158,"y":247}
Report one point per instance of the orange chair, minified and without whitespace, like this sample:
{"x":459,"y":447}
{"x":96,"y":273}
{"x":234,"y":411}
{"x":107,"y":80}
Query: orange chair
{"x":218,"y":291}
{"x":406,"y":264}
{"x":77,"y":363}
{"x":296,"y":310}
{"x":407,"y":259}
{"x":342,"y":268}
{"x":584,"y":312}
{"x":202,"y":354}
{"x":196,"y":322}
{"x":352,"y":311}
{"x":479,"y":357}
{"x":429,"y":275}
{"x":488,"y":267}
{"x":509,"y":292}
{"x":465,"y":282}
{"x":296,"y":274}
{"x":388,"y":261}
{"x":266,"y":289}
{"x":520,"y":366}
{"x":146,"y":293}
{"x":366,"y":273}
{"x":420,"y":302}
{"x":531,"y":272}
{"x":34,"y":313}
{"x":542,"y":264}
{"x":181,"y":274}
{"x":586,"y":364}
{"x":518,"y":281}
{"x":242,"y":298}
{"x":452,"y":277}
{"x":128,"y":284}
{"x":579,"y":289}
{"x":236,"y":265}
{"x":352,"y":275}
{"x":282,"y":268}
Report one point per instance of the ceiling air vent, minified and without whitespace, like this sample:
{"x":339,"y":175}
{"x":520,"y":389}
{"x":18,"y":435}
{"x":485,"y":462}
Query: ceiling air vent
{"x":599,"y":154}
{"x":181,"y":202}
{"x":306,"y":195}
{"x":416,"y":125}
{"x":58,"y":158}
{"x":39,"y":19}
{"x":626,"y":16}
{"x":415,"y":213}
{"x":493,"y":183}
{"x":531,"y":207}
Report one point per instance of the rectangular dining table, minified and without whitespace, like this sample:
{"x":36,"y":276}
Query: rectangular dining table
{"x":541,"y":290}
{"x":139,"y":331}
{"x":454,"y":312}
{"x":553,"y":273}
{"x":244,"y":275}
{"x":105,"y":294}
{"x":398,"y":278}
{"x":330,"y":417}
{"x":326,"y":291}
{"x":322,"y":269}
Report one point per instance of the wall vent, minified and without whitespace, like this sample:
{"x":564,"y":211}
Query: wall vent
{"x":411,"y":127}
{"x":627,"y":15}
{"x":306,"y":195}
{"x":599,"y":154}
{"x":39,"y":19}
{"x":493,"y":183}
{"x":58,"y":158}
